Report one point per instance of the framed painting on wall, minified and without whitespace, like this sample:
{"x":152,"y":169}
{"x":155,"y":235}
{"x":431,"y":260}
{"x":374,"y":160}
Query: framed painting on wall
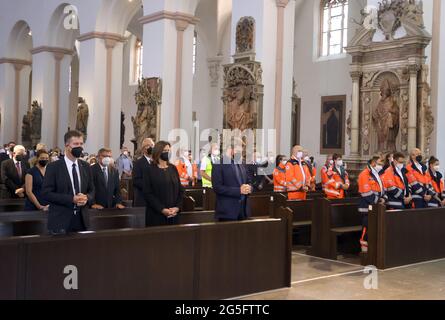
{"x":333,"y":109}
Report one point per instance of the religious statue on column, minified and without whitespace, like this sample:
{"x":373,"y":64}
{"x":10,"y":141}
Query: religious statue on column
{"x":240,"y":114}
{"x":82,"y":117}
{"x":386,"y":118}
{"x":36,"y":122}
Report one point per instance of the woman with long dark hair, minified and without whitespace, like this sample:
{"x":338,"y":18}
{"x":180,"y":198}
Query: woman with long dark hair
{"x":163,"y":191}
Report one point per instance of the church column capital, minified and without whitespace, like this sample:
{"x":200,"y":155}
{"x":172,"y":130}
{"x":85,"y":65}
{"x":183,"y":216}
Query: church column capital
{"x":282,"y":3}
{"x":356,"y":75}
{"x":176,"y":16}
{"x":413,"y":69}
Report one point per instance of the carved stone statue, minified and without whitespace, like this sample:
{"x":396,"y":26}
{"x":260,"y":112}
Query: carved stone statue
{"x":148,"y":99}
{"x":386,"y":118}
{"x":26,"y":130}
{"x":245,"y":35}
{"x":82,"y":117}
{"x":241,"y":114}
{"x":36,"y":122}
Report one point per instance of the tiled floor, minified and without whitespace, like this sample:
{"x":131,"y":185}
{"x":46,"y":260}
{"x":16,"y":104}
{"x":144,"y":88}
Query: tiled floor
{"x":314,"y":278}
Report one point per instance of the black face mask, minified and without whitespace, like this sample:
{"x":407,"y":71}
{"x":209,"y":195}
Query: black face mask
{"x":19,"y":158}
{"x":150,"y":151}
{"x":419,"y":159}
{"x":43,"y":163}
{"x":77,"y":152}
{"x":165,"y":156}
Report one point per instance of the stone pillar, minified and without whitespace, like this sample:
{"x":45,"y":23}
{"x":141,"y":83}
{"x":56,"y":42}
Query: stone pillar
{"x":100,"y":84}
{"x":355,"y":114}
{"x":16,"y":122}
{"x":171,"y":33}
{"x":412,"y":111}
{"x":58,"y":56}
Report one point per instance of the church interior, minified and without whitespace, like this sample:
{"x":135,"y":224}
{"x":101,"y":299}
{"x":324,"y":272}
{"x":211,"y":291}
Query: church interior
{"x":353,"y":78}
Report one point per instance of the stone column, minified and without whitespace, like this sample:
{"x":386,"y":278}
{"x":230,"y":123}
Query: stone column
{"x":412,"y":111}
{"x":109,"y":45}
{"x":16,"y":120}
{"x":355,"y":114}
{"x":181,"y":25}
{"x":58,"y":56}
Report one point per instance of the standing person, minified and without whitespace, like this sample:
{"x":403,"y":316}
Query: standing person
{"x":310,"y":163}
{"x":437,"y":188}
{"x":279,"y":175}
{"x":298,"y":177}
{"x":418,"y":180}
{"x":338,"y":183}
{"x":163,"y":191}
{"x":372,"y":192}
{"x":124,"y":164}
{"x":232,"y":186}
{"x":207,"y":163}
{"x":107,"y":192}
{"x":184,"y":168}
{"x":395,"y":182}
{"x":326,"y":172}
{"x":34,"y":183}
{"x":138,"y":172}
{"x":68,"y":187}
{"x":13,"y":172}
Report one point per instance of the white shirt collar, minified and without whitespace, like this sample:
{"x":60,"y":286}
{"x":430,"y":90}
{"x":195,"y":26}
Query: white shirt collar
{"x":70,"y":163}
{"x":147,"y":158}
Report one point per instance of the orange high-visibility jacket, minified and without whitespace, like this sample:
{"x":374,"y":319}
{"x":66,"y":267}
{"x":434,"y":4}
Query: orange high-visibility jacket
{"x":313,"y":172}
{"x":369,"y":189}
{"x":195,"y":173}
{"x":297,"y":177}
{"x":279,"y":179}
{"x":418,"y":180}
{"x":437,"y":188}
{"x":326,"y":174}
{"x":333,"y":188}
{"x":182,"y":171}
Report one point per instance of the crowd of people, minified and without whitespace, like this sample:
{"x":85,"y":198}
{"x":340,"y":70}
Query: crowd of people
{"x":63,"y":183}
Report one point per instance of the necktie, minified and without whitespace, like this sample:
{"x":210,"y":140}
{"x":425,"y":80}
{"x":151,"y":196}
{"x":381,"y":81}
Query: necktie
{"x":19,"y":169}
{"x":76,"y":180}
{"x":105,"y":175}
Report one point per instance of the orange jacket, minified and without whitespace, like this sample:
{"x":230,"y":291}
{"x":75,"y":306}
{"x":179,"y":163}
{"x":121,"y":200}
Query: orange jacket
{"x":313,"y":172}
{"x":333,"y":188}
{"x":279,"y":179}
{"x":395,"y":188}
{"x":437,"y":188}
{"x":195,"y":173}
{"x":183,"y":175}
{"x":297,"y":177}
{"x":369,"y":189}
{"x":418,"y":180}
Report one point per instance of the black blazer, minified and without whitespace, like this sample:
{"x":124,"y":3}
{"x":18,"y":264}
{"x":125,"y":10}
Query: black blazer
{"x":57,"y":190}
{"x":11,"y":177}
{"x":108,"y":196}
{"x":162,"y":190}
{"x":138,"y":181}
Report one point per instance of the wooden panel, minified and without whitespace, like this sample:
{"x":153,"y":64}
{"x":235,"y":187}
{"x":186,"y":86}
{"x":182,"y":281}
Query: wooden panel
{"x":9,"y":269}
{"x":260,"y":205}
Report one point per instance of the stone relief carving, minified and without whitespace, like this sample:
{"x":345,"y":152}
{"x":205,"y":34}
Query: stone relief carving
{"x":26,"y":130}
{"x":32,"y":125}
{"x":83,"y":115}
{"x":148,"y":99}
{"x":349,"y":125}
{"x":367,"y":123}
{"x":214,"y":71}
{"x":245,"y":35}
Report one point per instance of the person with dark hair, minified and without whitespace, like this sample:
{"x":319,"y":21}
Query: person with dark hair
{"x":338,"y":182}
{"x":395,"y":182}
{"x":298,"y":177}
{"x":13,"y":172}
{"x":34,"y":183}
{"x":138,"y":172}
{"x":107,"y":193}
{"x":436,"y":184}
{"x":372,"y":192}
{"x":68,"y":187}
{"x":279,"y":174}
{"x":163,"y":191}
{"x":418,"y":180}
{"x":389,"y":158}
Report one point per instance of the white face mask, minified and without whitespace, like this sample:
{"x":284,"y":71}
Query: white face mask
{"x":106,"y":161}
{"x":339,"y":163}
{"x":283,"y":162}
{"x":378,"y":168}
{"x":400,"y":166}
{"x":331,"y":162}
{"x":307,"y":159}
{"x":299,"y":155}
{"x":436,"y":168}
{"x":216,"y":153}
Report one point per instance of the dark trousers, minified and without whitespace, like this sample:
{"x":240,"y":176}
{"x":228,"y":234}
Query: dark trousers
{"x":77,"y":224}
{"x":420,"y":203}
{"x":364,"y":227}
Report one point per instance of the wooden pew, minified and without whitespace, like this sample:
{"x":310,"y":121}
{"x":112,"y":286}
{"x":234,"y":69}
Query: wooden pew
{"x":330,"y":220}
{"x":12,"y":205}
{"x":209,"y":261}
{"x":397,"y":238}
{"x":261,"y":204}
{"x":208,"y":199}
{"x":188,"y":204}
{"x":197,"y":193}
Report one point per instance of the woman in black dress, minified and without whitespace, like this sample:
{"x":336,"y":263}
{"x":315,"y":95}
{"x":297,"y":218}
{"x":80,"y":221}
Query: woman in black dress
{"x":34,"y":182}
{"x":163,"y":191}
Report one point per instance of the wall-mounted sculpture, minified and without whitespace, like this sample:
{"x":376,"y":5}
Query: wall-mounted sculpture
{"x":390,"y":107}
{"x":146,"y":122}
{"x":32,"y":126}
{"x":243,"y":89}
{"x":83,"y":115}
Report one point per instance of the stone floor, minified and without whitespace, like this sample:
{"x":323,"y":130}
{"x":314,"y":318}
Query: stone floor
{"x":320,"y":279}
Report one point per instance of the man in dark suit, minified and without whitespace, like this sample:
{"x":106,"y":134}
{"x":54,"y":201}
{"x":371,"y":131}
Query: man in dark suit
{"x":138,"y":172}
{"x":13,"y":172}
{"x":68,"y":188}
{"x":232,"y":186}
{"x":106,"y":182}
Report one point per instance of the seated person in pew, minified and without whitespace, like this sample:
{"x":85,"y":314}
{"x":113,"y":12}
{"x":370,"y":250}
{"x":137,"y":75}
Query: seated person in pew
{"x":34,"y":183}
{"x":395,"y":182}
{"x":68,"y":187}
{"x":163,"y":191}
{"x":13,"y":172}
{"x":312,"y":169}
{"x":418,"y":179}
{"x":326,"y":171}
{"x":436,"y":182}
{"x":298,"y":177}
{"x":232,"y":185}
{"x":138,"y":172}
{"x":279,"y":174}
{"x":372,"y":192}
{"x":338,"y":183}
{"x":106,"y":182}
